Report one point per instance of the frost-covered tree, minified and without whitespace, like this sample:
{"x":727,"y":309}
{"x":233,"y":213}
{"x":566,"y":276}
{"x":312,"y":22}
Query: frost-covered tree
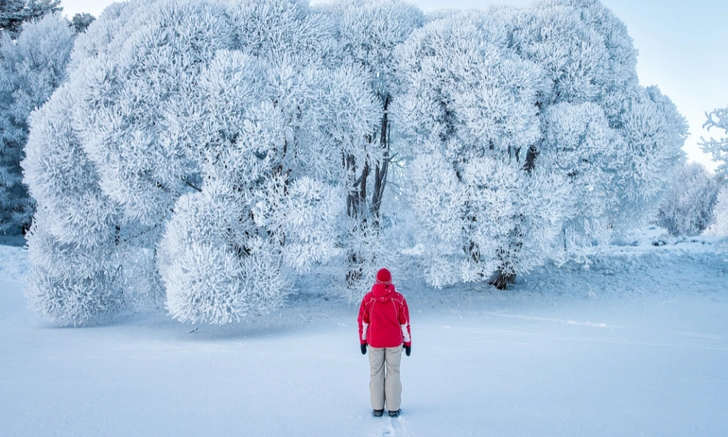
{"x":471,"y":109}
{"x":583,"y":47}
{"x":279,"y":122}
{"x":367,"y":33}
{"x":265,"y":201}
{"x":81,"y":244}
{"x":13,"y":13}
{"x":687,"y":207}
{"x":31,"y":68}
{"x":589,"y":58}
{"x":550,"y":90}
{"x":127,"y":175}
{"x":718,"y":148}
{"x":215,"y":133}
{"x":618,"y":174}
{"x":82,"y":21}
{"x":73,"y":240}
{"x":654,"y":133}
{"x":579,"y":144}
{"x":719,"y":227}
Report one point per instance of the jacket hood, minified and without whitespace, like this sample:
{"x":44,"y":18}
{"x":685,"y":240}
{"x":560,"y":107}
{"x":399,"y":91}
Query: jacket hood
{"x":383,"y":292}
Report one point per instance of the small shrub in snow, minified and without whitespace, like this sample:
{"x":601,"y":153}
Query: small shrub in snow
{"x":719,"y":227}
{"x":687,"y":207}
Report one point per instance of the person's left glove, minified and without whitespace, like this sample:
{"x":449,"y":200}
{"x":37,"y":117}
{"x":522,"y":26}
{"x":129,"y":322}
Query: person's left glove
{"x":408,"y":350}
{"x":363,"y":348}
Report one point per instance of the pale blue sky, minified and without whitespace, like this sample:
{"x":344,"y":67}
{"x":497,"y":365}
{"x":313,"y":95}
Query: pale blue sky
{"x":678,"y":43}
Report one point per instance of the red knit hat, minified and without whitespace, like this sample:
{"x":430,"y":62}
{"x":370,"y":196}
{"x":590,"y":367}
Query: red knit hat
{"x":384,"y":277}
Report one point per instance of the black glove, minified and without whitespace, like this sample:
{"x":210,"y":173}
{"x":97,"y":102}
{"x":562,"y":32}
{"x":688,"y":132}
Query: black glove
{"x":408,"y":350}
{"x":363,"y":348}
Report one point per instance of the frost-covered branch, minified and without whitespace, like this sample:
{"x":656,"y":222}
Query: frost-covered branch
{"x":718,"y":148}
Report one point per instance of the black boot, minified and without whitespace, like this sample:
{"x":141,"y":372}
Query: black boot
{"x":377,"y":413}
{"x":395,"y":413}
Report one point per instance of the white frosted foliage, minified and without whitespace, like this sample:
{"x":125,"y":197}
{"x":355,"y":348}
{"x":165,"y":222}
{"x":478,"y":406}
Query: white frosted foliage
{"x":579,"y":144}
{"x":687,"y":208}
{"x":719,"y":227}
{"x":717,"y":147}
{"x":654,"y":133}
{"x":472,"y":115}
{"x":207,"y":153}
{"x":32,"y":66}
{"x":213,"y":274}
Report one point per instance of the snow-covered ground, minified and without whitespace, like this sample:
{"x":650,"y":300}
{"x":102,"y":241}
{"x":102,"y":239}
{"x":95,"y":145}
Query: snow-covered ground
{"x":635,"y":345}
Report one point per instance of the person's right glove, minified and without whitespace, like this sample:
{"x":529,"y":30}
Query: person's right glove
{"x":363,"y":348}
{"x":408,"y":350}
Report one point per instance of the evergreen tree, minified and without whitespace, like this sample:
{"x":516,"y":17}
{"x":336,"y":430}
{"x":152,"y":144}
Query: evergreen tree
{"x":13,"y":13}
{"x":82,"y":21}
{"x":31,"y":68}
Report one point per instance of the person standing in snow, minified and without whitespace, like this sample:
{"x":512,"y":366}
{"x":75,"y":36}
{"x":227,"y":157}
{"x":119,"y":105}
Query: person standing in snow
{"x":384,"y":326}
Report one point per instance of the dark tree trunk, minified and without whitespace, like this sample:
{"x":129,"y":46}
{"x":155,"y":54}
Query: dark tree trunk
{"x":380,"y":173}
{"x":354,"y":274}
{"x":355,"y":202}
{"x":365,"y":212}
{"x":503,"y":276}
{"x":502,"y":280}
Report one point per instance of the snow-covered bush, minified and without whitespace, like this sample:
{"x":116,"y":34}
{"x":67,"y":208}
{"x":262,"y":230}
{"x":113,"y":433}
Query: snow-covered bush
{"x":687,"y":207}
{"x":717,"y":147}
{"x":32,"y":66}
{"x":719,"y":227}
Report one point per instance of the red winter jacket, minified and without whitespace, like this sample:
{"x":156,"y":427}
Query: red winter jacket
{"x":384,"y":318}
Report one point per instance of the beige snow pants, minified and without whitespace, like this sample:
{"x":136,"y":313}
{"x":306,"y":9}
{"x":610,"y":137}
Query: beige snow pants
{"x":385,"y":384}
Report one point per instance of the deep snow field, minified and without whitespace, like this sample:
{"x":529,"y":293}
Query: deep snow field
{"x":635,"y":345}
